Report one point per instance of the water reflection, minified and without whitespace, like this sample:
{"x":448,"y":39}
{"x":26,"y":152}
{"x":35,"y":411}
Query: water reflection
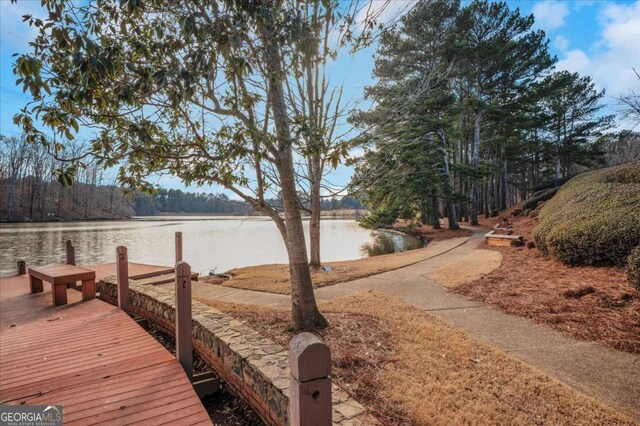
{"x":220,"y":243}
{"x":385,"y":242}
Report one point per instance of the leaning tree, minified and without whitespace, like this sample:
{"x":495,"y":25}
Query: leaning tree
{"x":193,"y":89}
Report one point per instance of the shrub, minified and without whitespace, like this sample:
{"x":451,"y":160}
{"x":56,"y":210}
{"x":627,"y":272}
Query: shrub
{"x":594,"y":219}
{"x":633,"y":267}
{"x":381,"y":218}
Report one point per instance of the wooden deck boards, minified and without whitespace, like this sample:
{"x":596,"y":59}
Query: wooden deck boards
{"x":89,"y":357}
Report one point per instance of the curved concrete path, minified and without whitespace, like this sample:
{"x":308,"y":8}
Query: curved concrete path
{"x":607,"y":375}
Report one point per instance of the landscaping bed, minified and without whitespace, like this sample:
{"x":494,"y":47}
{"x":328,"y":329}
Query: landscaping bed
{"x":591,"y":303}
{"x":382,"y":348}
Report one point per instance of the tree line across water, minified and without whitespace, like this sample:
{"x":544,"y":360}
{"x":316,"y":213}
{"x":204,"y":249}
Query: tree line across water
{"x":30,"y":192}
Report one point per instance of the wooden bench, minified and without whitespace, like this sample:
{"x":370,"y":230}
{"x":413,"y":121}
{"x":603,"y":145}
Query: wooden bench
{"x":59,"y":276}
{"x":494,"y":239}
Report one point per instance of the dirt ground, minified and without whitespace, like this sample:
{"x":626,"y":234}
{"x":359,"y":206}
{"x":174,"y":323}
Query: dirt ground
{"x":591,"y":303}
{"x":275,"y":278}
{"x":408,"y":368}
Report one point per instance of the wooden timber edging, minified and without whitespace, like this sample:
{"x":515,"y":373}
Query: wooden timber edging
{"x":254,"y":367}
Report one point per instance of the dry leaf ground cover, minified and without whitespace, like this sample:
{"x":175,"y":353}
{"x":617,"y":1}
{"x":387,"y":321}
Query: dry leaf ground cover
{"x":408,"y":368}
{"x":275,"y":278}
{"x":591,"y":303}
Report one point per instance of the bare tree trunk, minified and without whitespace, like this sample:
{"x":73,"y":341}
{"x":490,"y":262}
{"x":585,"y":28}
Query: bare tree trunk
{"x":486,"y":199}
{"x":448,"y":185}
{"x":558,"y":162}
{"x":304,"y":310}
{"x":435,"y":213}
{"x":476,"y":159}
{"x":314,"y":222}
{"x":505,"y":184}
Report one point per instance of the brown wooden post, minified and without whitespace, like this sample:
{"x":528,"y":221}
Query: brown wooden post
{"x":184,"y":348}
{"x":22,"y":267}
{"x":178,"y":247}
{"x":71,"y":253}
{"x":122,"y":276}
{"x":310,"y":364}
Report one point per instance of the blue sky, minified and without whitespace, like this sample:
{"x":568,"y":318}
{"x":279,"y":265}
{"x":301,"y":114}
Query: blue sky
{"x":596,"y":38}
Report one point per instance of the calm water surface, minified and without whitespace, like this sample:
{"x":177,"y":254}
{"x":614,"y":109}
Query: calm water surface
{"x":219,"y":243}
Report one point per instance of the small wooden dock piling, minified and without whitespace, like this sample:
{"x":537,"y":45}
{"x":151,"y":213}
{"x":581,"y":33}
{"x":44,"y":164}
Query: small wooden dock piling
{"x":22,"y":267}
{"x":184,"y":346}
{"x":122,"y":277}
{"x":70,"y":253}
{"x":178,"y":247}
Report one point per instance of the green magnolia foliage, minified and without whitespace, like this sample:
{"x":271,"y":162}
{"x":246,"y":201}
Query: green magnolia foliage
{"x":633,"y":267}
{"x":594,"y":219}
{"x":179,"y":87}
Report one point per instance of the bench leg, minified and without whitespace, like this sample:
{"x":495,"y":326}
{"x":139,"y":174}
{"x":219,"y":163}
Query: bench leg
{"x":88,"y":289}
{"x":36,"y":284}
{"x":59,"y":294}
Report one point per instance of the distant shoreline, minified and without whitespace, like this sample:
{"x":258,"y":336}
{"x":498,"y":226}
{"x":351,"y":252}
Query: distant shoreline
{"x":326,"y":214}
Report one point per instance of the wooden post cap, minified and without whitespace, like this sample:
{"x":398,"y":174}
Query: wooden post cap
{"x":183,"y":269}
{"x":68,"y":243}
{"x":121,"y":250}
{"x":309,"y":357}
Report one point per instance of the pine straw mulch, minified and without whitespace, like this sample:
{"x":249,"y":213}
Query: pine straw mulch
{"x":591,"y":303}
{"x":361,"y":346}
{"x":408,"y":368}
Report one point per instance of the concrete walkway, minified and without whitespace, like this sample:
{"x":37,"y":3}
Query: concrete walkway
{"x":607,"y":375}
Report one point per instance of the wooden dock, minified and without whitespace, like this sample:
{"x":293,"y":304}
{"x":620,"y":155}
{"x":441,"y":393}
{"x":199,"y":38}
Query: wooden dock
{"x":89,"y":357}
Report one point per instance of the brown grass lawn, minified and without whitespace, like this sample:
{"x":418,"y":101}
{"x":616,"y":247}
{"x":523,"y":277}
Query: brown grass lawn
{"x":275,"y":278}
{"x":590,"y":303}
{"x":409,"y":368}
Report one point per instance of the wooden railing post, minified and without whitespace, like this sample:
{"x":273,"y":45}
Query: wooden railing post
{"x":184,"y":348}
{"x":178,"y":247}
{"x":310,"y":364}
{"x":22,"y":267}
{"x":122,"y":277}
{"x":71,"y":253}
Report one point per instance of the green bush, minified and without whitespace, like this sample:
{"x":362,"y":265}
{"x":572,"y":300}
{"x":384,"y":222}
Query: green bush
{"x":594,"y":219}
{"x":381,"y":218}
{"x":633,"y":267}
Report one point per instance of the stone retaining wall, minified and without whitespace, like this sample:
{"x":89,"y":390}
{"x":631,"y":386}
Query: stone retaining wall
{"x":253,"y":366}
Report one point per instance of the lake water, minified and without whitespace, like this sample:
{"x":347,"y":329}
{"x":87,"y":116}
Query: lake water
{"x":219,"y":243}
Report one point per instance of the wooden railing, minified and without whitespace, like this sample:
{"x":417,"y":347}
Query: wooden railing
{"x":310,"y":399}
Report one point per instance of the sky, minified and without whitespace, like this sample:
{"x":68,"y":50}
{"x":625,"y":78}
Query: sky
{"x":596,"y":38}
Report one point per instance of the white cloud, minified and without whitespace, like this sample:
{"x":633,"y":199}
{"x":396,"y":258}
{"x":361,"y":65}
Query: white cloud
{"x":550,"y":14}
{"x":575,"y":61}
{"x":561,"y":42}
{"x":611,"y":60}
